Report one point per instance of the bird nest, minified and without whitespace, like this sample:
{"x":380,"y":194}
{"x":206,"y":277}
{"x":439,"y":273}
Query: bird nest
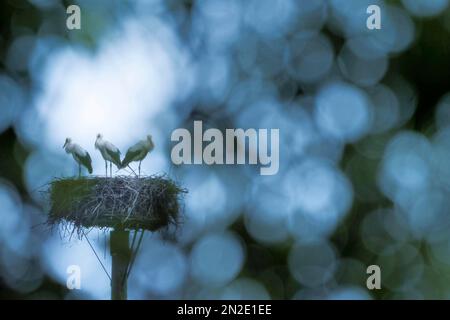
{"x":148,"y":203}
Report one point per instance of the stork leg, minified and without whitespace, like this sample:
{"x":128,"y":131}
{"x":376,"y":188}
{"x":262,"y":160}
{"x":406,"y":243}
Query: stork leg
{"x":106,"y":168}
{"x":140,"y":168}
{"x":110,"y":168}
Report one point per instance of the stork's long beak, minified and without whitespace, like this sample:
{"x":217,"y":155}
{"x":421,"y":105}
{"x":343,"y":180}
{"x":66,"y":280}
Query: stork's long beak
{"x":64,"y":144}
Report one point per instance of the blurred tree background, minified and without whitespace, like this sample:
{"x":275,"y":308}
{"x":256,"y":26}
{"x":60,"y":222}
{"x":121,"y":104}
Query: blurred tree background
{"x":364,"y":120}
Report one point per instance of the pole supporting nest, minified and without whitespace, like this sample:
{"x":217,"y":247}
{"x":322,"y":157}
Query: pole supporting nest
{"x":120,"y":254}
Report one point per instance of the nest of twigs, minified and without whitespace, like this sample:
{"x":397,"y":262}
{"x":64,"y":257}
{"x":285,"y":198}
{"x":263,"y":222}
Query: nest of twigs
{"x":148,"y":203}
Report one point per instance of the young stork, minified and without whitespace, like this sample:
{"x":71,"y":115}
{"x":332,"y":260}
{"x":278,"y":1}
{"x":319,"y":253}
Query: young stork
{"x":138,"y":152}
{"x":109,"y":152}
{"x":80,"y":155}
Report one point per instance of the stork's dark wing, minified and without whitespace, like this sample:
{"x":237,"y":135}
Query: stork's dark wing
{"x":85,"y":160}
{"x":115,"y":156}
{"x":132,"y":153}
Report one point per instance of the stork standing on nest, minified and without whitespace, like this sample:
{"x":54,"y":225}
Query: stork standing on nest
{"x":110,"y":153}
{"x":138,"y":152}
{"x":80,"y":155}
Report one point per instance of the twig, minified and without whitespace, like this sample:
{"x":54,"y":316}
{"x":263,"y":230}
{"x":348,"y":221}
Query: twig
{"x":101,"y":263}
{"x":133,"y":258}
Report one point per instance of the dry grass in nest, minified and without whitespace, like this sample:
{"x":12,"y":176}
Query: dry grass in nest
{"x":148,"y":203}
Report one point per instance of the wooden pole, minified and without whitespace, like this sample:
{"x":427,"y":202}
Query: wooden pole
{"x":120,"y":253}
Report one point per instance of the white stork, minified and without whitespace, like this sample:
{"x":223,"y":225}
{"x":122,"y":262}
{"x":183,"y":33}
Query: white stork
{"x":80,"y":155}
{"x":138,"y":152}
{"x":109,"y":152}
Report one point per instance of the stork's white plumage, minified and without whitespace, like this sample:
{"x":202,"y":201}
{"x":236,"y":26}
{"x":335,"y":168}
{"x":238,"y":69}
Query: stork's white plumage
{"x":80,"y":155}
{"x":138,"y":152}
{"x":110,"y":153}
